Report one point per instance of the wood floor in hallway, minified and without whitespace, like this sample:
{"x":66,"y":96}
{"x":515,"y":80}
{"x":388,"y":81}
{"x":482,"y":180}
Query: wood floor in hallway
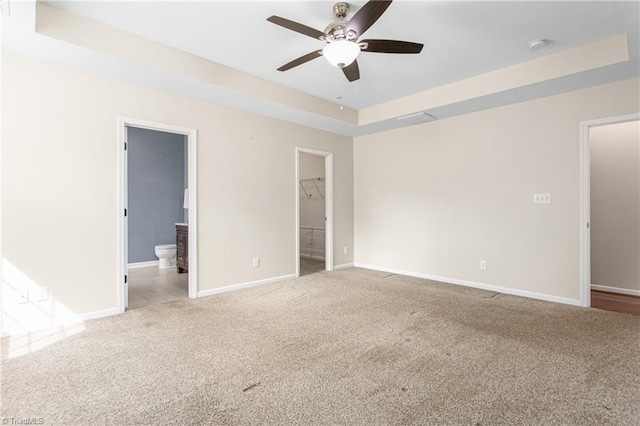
{"x":615,"y":302}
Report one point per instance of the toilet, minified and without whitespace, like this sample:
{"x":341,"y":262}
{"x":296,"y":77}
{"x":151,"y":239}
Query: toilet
{"x":167,"y":255}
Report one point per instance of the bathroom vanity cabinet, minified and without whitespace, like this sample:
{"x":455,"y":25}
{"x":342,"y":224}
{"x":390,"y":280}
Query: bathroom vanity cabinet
{"x":182,"y":248}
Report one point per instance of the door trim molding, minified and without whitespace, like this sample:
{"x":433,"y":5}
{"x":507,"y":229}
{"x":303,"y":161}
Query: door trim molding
{"x":585,"y":200}
{"x":328,"y":204}
{"x":191,"y":134}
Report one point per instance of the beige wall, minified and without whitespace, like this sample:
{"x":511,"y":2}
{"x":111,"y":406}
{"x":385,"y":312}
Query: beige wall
{"x":59,"y":190}
{"x":438,"y":198}
{"x":432,"y":199}
{"x":615,"y":205}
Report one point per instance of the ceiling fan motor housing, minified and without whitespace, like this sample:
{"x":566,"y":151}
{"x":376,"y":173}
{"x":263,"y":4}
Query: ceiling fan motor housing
{"x":334,"y":31}
{"x":340,"y":10}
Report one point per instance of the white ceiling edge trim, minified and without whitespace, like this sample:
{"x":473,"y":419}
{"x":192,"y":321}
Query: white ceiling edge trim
{"x":87,"y":60}
{"x":68,"y":27}
{"x":584,"y":80}
{"x":20,"y":38}
{"x":65,"y":54}
{"x":601,"y":53}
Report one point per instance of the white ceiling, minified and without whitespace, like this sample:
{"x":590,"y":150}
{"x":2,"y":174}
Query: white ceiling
{"x":462,"y":39}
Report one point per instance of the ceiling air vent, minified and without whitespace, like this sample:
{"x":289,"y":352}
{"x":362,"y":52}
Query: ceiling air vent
{"x":417,"y":118}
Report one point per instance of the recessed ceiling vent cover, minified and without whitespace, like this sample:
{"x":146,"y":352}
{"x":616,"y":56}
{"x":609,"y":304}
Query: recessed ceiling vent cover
{"x":417,"y":118}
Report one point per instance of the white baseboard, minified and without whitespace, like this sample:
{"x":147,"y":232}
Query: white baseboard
{"x":490,"y":287}
{"x":143,"y":264}
{"x":240,"y":286}
{"x":79,"y":319}
{"x":99,"y":314}
{"x":343,"y":266}
{"x":618,"y":290}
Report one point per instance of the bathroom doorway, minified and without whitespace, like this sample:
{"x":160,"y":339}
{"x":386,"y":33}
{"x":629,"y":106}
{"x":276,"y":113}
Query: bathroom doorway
{"x":314,"y":211}
{"x":157,"y":227}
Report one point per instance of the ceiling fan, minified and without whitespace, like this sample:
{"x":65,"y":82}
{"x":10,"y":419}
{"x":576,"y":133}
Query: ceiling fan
{"x":342,"y":38}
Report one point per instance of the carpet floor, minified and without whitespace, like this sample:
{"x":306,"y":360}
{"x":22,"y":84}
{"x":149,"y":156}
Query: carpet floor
{"x":347,"y":347}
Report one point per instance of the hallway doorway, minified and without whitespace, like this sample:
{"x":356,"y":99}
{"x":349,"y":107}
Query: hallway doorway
{"x":610,"y":214}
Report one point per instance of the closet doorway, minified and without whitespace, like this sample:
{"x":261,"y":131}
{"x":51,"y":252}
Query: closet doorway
{"x":314,"y":211}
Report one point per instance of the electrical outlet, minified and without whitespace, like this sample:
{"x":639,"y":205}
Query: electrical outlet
{"x":346,"y":250}
{"x":22,"y":297}
{"x":42,"y":294}
{"x":541,"y":198}
{"x":256,"y":262}
{"x":483,"y":265}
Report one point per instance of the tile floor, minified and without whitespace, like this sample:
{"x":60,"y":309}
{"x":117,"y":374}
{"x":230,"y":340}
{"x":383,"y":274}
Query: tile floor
{"x":149,"y":285}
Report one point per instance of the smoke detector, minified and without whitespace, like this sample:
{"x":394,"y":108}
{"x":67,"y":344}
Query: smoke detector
{"x":537,"y":44}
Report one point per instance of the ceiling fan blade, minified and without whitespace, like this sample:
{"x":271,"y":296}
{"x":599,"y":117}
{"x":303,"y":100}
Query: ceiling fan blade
{"x":391,"y":46}
{"x":366,"y":17}
{"x":352,"y":72}
{"x":297,"y":27}
{"x":301,"y":60}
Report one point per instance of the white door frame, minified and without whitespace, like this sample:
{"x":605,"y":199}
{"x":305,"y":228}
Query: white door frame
{"x":585,"y":200}
{"x":328,"y":205}
{"x":191,"y":134}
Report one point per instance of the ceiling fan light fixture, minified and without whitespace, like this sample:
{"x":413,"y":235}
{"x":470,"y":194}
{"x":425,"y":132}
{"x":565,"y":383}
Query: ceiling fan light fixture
{"x":341,"y":53}
{"x":341,"y":38}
